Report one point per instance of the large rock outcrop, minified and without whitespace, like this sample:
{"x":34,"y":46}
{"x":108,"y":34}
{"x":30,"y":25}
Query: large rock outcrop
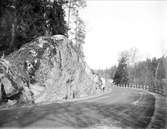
{"x":45,"y":70}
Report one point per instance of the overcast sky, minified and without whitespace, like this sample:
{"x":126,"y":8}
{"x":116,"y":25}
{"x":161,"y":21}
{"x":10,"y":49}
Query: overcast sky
{"x":114,"y":26}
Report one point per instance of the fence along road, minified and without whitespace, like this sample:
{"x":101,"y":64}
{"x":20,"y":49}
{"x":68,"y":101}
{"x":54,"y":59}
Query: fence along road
{"x":122,"y":108}
{"x":161,"y":90}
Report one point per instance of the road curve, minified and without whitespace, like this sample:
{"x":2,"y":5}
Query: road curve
{"x":122,"y":108}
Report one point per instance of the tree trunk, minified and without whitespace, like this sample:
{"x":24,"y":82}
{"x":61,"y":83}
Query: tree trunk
{"x":11,"y":44}
{"x":156,"y":73}
{"x":69,"y":11}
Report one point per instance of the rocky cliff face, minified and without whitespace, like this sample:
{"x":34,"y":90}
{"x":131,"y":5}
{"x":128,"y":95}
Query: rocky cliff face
{"x":46,"y":69}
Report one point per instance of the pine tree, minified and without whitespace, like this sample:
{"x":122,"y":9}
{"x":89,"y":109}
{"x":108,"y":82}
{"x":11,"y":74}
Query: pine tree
{"x":121,"y":75}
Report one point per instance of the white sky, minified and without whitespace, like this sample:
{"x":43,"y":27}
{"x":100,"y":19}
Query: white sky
{"x":114,"y":26}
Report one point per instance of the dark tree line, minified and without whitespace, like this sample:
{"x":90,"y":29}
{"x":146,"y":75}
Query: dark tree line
{"x":23,"y":20}
{"x":150,"y":72}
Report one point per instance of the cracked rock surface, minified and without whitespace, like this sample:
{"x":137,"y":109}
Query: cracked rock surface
{"x":46,"y":70}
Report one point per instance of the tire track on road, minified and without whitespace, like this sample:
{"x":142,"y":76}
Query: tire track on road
{"x":159,"y":119}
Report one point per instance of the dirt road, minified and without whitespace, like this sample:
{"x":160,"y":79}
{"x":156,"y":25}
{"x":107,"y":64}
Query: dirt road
{"x":122,"y":108}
